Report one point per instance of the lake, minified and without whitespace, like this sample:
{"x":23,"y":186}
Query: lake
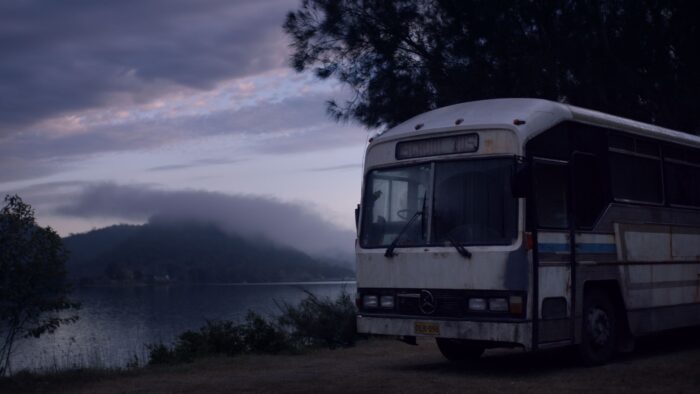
{"x":116,"y":323}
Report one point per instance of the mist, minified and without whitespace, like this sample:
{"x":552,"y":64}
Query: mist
{"x":298,"y":225}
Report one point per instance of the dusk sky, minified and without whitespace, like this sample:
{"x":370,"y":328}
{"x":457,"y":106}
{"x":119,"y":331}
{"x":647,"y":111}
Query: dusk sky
{"x":115,"y":111}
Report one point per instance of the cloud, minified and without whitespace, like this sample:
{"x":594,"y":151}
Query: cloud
{"x":286,"y":118}
{"x":68,"y":56}
{"x":294,"y":124}
{"x":294,"y":224}
{"x":336,"y":168}
{"x":193,"y":164}
{"x":45,"y":196}
{"x":17,"y":168}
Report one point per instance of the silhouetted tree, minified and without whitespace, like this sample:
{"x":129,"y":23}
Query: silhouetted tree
{"x":33,"y":286}
{"x":635,"y":58}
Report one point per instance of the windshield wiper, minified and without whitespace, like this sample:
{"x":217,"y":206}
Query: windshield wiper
{"x":390,"y":250}
{"x":461,"y":249}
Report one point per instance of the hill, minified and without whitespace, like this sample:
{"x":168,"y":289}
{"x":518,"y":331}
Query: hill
{"x":190,"y":253}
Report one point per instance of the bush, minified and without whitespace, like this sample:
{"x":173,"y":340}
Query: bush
{"x":324,"y":322}
{"x":315,"y":322}
{"x":256,"y":335}
{"x":262,"y":336}
{"x":160,"y":354}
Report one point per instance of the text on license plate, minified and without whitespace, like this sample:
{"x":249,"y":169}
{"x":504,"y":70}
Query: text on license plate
{"x":426,"y":328}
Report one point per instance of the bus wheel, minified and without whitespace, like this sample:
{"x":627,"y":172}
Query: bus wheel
{"x":459,"y":350}
{"x":599,"y":330}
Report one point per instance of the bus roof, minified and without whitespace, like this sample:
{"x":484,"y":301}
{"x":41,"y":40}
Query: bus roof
{"x":539,"y":115}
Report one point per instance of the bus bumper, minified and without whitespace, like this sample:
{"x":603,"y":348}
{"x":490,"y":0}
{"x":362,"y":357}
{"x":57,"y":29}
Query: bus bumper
{"x":515,"y":333}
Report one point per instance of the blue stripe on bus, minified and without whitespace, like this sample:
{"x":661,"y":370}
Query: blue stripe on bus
{"x":596,"y":248}
{"x":580,"y":248}
{"x":552,"y":248}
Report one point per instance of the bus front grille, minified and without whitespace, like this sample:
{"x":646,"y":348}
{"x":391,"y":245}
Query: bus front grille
{"x":447,"y":303}
{"x":436,"y":303}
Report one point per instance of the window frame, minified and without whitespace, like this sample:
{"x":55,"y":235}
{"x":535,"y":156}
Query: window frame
{"x":430,"y":202}
{"x":516,"y":209}
{"x":574,"y":199}
{"x":682,"y":162}
{"x":625,"y":152}
{"x":552,"y":162}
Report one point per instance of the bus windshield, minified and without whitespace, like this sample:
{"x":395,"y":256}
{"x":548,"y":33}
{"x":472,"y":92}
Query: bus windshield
{"x":469,"y":201}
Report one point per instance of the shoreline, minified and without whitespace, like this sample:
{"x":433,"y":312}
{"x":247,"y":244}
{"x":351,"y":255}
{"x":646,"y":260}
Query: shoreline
{"x":175,"y":283}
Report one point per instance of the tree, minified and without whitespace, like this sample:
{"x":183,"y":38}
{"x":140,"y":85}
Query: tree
{"x":634,"y":58}
{"x":33,"y":286}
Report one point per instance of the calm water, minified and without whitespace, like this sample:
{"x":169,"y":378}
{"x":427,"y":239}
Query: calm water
{"x":116,"y":323}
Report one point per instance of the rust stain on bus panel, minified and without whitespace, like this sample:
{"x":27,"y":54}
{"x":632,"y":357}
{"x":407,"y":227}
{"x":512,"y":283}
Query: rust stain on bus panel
{"x":488,"y":146}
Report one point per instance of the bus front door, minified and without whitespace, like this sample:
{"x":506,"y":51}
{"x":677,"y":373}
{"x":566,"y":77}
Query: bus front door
{"x":552,"y":259}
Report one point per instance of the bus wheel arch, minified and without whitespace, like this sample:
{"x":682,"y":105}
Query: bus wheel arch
{"x":604,"y":325}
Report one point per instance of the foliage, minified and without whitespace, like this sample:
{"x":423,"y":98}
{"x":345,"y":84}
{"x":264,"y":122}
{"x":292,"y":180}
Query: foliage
{"x":263,"y":336}
{"x":634,"y":58}
{"x":315,"y":322}
{"x":324,"y":322}
{"x":33,"y":286}
{"x":255,"y":335}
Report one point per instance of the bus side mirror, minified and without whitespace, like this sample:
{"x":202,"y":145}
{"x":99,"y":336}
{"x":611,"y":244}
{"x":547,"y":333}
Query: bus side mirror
{"x":357,"y":217}
{"x":520,"y":181}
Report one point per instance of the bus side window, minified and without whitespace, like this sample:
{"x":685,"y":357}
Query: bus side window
{"x":551,"y":185}
{"x":590,"y":196}
{"x":635,"y":169}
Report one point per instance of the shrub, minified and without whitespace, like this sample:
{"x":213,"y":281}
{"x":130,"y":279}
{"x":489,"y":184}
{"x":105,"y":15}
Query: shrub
{"x":160,"y":354}
{"x":324,"y":322}
{"x":315,"y":322}
{"x":256,"y":335}
{"x":262,"y":336}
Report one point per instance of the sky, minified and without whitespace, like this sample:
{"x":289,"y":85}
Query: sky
{"x":120,"y":111}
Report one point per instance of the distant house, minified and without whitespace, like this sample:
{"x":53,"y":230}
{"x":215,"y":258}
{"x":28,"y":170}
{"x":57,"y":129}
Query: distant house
{"x":161,"y":278}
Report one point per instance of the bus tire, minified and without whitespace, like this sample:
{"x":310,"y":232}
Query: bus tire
{"x":599,"y":329}
{"x":459,"y":350}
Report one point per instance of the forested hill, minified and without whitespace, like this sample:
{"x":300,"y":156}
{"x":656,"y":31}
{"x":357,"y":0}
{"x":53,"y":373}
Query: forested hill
{"x":189,"y":253}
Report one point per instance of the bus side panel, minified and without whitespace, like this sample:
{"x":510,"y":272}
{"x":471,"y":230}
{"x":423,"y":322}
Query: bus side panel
{"x":662,"y":275}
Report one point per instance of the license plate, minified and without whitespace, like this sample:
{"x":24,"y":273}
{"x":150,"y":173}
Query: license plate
{"x":425,"y":328}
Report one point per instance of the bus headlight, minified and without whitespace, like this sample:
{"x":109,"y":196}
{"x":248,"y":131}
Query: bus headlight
{"x":477,"y":304}
{"x":386,"y":301}
{"x":498,"y":304}
{"x":370,"y":301}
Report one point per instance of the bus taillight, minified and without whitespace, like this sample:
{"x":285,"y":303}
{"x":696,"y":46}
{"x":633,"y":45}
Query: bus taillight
{"x":516,"y":305}
{"x":529,"y":241}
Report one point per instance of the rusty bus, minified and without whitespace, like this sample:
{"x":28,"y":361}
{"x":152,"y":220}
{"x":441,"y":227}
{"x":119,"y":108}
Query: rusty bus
{"x":530,"y":223}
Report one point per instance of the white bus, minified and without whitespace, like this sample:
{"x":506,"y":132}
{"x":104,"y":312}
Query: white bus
{"x":528,"y":223}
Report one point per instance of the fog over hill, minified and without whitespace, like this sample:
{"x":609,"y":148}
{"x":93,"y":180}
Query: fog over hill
{"x":292,"y":225}
{"x":189,"y":252}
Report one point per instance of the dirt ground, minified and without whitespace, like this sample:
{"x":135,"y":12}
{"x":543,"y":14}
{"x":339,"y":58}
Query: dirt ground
{"x":668,"y":363}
